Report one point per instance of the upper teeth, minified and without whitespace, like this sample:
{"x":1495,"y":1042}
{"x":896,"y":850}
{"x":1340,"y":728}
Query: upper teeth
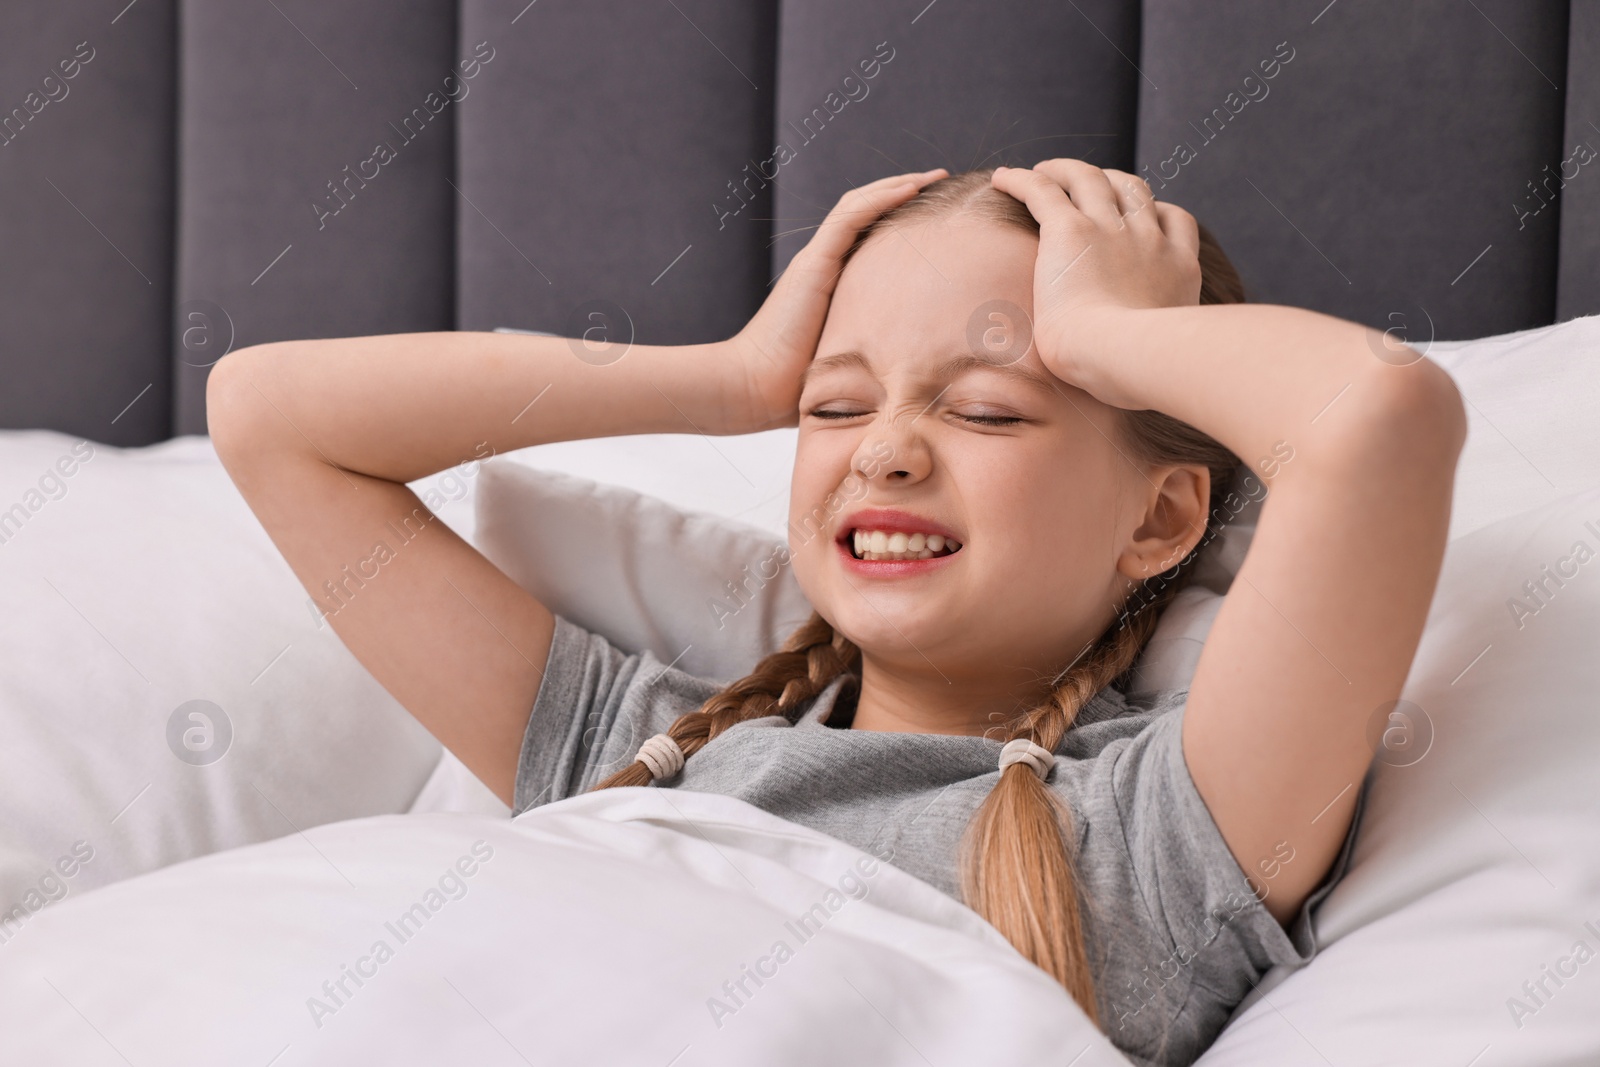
{"x":882,"y":544}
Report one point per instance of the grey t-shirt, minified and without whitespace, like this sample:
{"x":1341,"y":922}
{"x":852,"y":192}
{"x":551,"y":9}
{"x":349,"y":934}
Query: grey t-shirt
{"x":1176,"y":936}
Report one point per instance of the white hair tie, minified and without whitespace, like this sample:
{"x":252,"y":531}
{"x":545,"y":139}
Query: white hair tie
{"x":1023,"y":750}
{"x":661,"y":756}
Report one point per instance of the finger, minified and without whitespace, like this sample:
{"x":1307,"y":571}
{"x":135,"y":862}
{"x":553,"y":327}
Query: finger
{"x":1042,"y":195}
{"x":860,"y":206}
{"x":1179,"y":226}
{"x":1135,"y":201}
{"x":1088,"y":187}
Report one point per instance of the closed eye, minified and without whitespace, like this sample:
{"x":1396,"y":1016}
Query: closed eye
{"x":982,"y":420}
{"x":991,"y":420}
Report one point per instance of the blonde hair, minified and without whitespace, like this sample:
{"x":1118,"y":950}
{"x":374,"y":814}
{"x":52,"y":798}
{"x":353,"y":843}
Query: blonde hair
{"x":1017,"y":867}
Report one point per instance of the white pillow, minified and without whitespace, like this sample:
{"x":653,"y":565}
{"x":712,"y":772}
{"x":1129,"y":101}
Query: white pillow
{"x":136,"y":583}
{"x":1532,"y":398}
{"x":1477,"y":865}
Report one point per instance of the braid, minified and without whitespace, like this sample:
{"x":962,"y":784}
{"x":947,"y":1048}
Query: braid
{"x":781,"y":684}
{"x":1017,"y":870}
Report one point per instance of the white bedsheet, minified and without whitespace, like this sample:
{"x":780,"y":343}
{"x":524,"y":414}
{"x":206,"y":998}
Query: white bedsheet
{"x":521,"y":948}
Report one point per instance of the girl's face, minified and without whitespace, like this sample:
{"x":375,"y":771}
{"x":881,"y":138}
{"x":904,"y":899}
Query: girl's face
{"x":1045,"y":505}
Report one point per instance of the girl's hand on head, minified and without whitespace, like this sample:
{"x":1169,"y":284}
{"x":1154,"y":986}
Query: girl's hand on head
{"x":776,"y":345}
{"x":1105,"y":243}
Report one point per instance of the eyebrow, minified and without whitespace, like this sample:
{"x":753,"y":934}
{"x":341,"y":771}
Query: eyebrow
{"x":944,"y":371}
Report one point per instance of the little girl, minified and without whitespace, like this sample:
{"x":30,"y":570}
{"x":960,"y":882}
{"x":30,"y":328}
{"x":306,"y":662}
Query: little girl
{"x":1035,"y":386}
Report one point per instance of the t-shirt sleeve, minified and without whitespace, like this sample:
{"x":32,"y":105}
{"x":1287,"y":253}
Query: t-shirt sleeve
{"x":1188,"y":876}
{"x":595,"y":706}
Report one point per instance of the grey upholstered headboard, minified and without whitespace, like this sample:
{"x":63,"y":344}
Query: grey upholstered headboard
{"x":176,"y":176}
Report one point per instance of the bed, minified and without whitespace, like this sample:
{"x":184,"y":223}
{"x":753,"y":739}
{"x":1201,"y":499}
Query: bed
{"x":213,"y":817}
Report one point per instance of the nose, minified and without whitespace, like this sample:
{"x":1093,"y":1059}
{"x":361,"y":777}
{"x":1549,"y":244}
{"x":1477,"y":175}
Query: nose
{"x":894,"y":453}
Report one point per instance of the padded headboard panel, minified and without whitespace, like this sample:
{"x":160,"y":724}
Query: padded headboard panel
{"x":1578,"y":270}
{"x":88,"y":173}
{"x":1368,"y":176}
{"x":289,"y":222}
{"x":589,"y":165}
{"x":954,"y":92}
{"x":216,"y":173}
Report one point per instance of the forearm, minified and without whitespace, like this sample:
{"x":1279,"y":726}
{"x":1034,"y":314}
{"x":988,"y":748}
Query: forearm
{"x":403,"y":406}
{"x":1254,"y":376}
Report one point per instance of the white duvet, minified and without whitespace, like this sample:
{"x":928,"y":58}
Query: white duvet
{"x":641,"y":926}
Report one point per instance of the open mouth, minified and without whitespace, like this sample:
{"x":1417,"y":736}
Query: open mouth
{"x":883,"y":545}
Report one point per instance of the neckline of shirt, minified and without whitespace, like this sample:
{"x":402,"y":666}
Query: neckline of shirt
{"x":1109,"y":703}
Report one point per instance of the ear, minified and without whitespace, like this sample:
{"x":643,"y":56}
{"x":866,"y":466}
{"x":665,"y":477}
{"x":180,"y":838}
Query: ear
{"x":1172,"y":522}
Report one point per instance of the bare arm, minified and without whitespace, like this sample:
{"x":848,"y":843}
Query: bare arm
{"x":321,"y":436}
{"x":1320,"y":628}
